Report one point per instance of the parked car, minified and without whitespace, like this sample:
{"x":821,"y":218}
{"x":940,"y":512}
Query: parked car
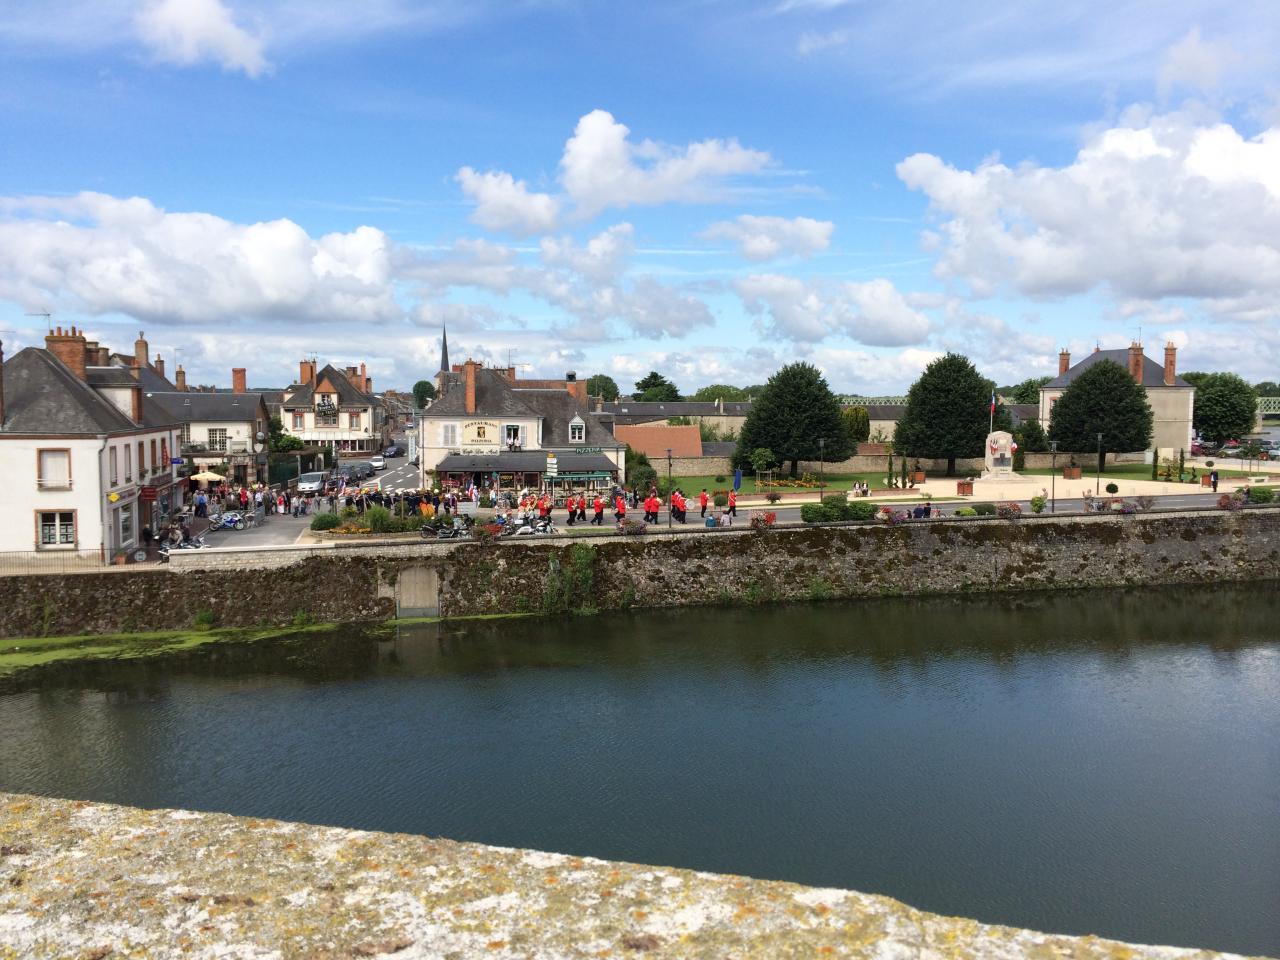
{"x":378,"y":462}
{"x":365,"y":468}
{"x":393,"y":451}
{"x":349,"y":472}
{"x":312,"y":482}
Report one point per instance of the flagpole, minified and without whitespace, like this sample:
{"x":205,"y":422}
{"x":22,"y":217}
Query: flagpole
{"x":991,"y":419}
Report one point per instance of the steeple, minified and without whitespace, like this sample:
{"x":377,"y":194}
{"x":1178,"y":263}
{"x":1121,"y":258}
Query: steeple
{"x":444,"y":349}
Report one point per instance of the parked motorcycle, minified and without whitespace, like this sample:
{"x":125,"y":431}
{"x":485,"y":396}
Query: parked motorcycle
{"x":528,"y":526}
{"x":460,"y":529}
{"x":230,"y":520}
{"x":195,"y":543}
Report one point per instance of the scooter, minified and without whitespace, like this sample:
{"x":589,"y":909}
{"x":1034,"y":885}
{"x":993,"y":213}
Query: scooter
{"x":459,"y":530}
{"x":529,"y":527}
{"x":195,"y":543}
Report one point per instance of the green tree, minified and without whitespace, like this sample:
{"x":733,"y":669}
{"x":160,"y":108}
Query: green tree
{"x":1031,"y":437}
{"x":796,"y":410}
{"x":762,"y":458}
{"x":718,"y":391}
{"x":947,"y":413}
{"x":857,"y":422}
{"x":423,"y":391}
{"x":286,"y":443}
{"x":1106,"y":400}
{"x":275,"y":430}
{"x":601,"y":385}
{"x":1267,"y":388}
{"x":1226,"y":407}
{"x":1028,"y":391}
{"x":640,"y":473}
{"x":754,"y":391}
{"x":655,"y":388}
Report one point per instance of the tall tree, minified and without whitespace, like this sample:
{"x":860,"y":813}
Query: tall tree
{"x":947,"y":414}
{"x":655,"y":388}
{"x":423,"y":391}
{"x":1267,"y":388}
{"x":718,"y":391}
{"x":858,"y":422}
{"x":1032,"y":437}
{"x":1028,"y":391}
{"x":754,"y":391}
{"x":601,"y":385}
{"x":795,"y":411}
{"x":1226,"y":408}
{"x":1106,"y":400}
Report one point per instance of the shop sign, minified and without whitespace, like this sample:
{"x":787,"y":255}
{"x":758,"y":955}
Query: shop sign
{"x":176,"y":461}
{"x":553,"y":467}
{"x":147,"y":494}
{"x":480,"y":435}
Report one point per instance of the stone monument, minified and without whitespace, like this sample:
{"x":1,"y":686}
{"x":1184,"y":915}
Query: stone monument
{"x":999,"y":456}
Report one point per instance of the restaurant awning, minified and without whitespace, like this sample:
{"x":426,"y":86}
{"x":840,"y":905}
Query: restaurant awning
{"x":525,"y":461}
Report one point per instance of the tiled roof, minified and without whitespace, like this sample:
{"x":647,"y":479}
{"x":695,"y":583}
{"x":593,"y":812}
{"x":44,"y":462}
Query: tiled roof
{"x":348,"y":395}
{"x":1152,"y":372}
{"x":654,"y":440}
{"x":42,"y":396}
{"x":494,"y":397}
{"x":193,"y":407}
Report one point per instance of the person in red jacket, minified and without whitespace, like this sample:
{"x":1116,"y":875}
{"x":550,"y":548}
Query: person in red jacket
{"x":571,"y":504}
{"x":597,"y":505}
{"x":544,"y":506}
{"x":702,"y":502}
{"x":582,"y":507}
{"x":619,"y":508}
{"x":733,"y":503}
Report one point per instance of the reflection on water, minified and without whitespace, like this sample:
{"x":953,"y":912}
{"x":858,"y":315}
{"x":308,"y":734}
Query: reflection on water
{"x":1087,"y":762}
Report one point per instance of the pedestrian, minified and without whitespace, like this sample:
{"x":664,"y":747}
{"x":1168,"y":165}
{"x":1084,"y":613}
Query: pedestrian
{"x":572,"y":504}
{"x":582,"y":507}
{"x":702,"y":502}
{"x":733,"y":503}
{"x":597,"y":506}
{"x":619,"y":508}
{"x":1213,"y":480}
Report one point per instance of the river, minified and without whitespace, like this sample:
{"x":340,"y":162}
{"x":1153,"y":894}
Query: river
{"x":1104,"y":762}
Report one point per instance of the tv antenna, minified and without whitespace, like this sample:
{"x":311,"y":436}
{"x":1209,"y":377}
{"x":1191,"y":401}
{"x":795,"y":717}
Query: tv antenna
{"x":39,"y":313}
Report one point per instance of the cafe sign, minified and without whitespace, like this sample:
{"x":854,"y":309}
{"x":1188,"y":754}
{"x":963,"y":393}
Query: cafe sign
{"x":480,"y":436}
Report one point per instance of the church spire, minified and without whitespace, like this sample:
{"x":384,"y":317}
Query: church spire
{"x":444,"y":349}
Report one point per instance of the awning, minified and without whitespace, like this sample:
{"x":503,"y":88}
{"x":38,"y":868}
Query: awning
{"x":525,"y":461}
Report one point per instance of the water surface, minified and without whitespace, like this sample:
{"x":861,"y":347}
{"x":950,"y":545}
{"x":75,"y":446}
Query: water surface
{"x":1084,"y":763}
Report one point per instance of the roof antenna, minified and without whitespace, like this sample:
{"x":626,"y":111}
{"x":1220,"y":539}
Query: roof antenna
{"x":40,"y":313}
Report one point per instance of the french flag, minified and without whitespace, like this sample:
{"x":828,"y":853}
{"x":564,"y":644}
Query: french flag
{"x":993,"y":401}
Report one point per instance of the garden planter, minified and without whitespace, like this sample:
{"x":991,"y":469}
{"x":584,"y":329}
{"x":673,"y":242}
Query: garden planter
{"x":964,"y":488}
{"x":1206,"y":481}
{"x":1071,"y":473}
{"x":917,"y":476}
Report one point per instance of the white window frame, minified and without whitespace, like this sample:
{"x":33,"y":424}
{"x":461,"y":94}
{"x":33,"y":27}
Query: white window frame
{"x":218,"y":439}
{"x":62,"y":540}
{"x":448,"y":434}
{"x":577,"y":431}
{"x":45,"y":478}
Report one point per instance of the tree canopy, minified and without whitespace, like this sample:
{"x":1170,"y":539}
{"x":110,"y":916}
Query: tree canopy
{"x":601,"y":385}
{"x":947,"y":413}
{"x":1226,"y":407}
{"x":718,"y":391}
{"x":858,"y":422}
{"x":1028,"y":391}
{"x":640,"y":472}
{"x":795,"y":411}
{"x":655,"y":388}
{"x":423,"y":391}
{"x":1104,"y":399}
{"x":1032,"y":437}
{"x":1267,"y":388}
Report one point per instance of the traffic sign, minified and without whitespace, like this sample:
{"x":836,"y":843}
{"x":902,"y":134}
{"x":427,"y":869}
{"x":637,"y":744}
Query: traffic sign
{"x":553,"y":468}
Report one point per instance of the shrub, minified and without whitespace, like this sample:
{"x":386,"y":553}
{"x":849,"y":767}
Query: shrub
{"x":835,"y":506}
{"x":325,"y":521}
{"x":1038,"y":503}
{"x":859,"y":510}
{"x":773,"y":497}
{"x":1261,"y":494}
{"x":1111,"y":488}
{"x":378,"y":519}
{"x":1228,"y":502}
{"x":1009,"y":511}
{"x":763,"y":521}
{"x":721,"y":499}
{"x":966,"y":512}
{"x":720,"y":478}
{"x":205,"y":619}
{"x":813,"y":513}
{"x":984,"y":509}
{"x":633,"y":528}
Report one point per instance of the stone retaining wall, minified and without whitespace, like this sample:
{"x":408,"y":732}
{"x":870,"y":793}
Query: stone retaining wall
{"x":347,"y":582}
{"x":100,"y":881}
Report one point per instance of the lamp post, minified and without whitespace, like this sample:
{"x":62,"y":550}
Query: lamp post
{"x":1053,"y":476}
{"x":822,"y":466}
{"x":668,"y":488}
{"x":1097,"y":485}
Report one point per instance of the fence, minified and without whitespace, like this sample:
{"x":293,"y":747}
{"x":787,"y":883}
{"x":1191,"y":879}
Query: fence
{"x":18,"y":562}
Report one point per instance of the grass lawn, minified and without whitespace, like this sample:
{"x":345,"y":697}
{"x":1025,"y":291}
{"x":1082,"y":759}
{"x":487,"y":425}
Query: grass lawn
{"x":832,"y":481}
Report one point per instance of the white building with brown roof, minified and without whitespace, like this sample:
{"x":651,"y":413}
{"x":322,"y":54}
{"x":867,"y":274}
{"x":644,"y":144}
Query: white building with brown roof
{"x":336,"y":409}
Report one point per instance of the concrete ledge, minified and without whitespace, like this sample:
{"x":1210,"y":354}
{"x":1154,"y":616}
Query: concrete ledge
{"x":94,"y":880}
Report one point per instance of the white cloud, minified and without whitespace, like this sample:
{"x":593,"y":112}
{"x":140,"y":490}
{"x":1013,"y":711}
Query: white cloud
{"x":603,"y":257}
{"x":101,"y":254}
{"x":1158,"y":207}
{"x":811,"y":41}
{"x":766,"y":238}
{"x":505,"y":204}
{"x":602,"y":168}
{"x":874,"y":313}
{"x":187,"y":32}
{"x":1195,"y":64}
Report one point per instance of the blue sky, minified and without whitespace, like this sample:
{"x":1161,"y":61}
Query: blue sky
{"x":710,"y":189}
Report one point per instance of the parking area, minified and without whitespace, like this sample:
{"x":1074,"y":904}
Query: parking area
{"x":274,"y":531}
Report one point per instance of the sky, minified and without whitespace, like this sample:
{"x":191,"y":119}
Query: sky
{"x":707,"y":188}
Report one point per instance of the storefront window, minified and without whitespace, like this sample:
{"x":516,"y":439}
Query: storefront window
{"x":58,"y":528}
{"x":125,"y":515}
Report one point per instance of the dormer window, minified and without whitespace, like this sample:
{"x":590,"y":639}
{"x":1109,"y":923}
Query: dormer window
{"x":577,"y":430}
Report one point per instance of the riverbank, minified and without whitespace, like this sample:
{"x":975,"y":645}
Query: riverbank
{"x":97,"y":880}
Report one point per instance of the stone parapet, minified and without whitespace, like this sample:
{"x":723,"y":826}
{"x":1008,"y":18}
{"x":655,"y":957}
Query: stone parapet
{"x":95,"y":880}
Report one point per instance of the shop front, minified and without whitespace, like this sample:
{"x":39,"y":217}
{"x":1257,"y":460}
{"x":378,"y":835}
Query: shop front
{"x":558,"y":473}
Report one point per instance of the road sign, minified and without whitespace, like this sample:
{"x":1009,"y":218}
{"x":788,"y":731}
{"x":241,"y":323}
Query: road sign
{"x":553,"y":468}
{"x":176,"y":461}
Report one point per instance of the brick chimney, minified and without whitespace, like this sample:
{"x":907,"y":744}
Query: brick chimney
{"x":140,"y":350}
{"x":1135,"y":361}
{"x":1170,"y":364}
{"x":364,"y":378}
{"x":237,"y":379}
{"x":158,"y":366}
{"x":67,"y":347}
{"x":180,"y":378}
{"x":577,"y":388}
{"x":469,"y":375}
{"x":368,"y":384}
{"x":307,"y":372}
{"x":1064,"y":361}
{"x":104,"y":357}
{"x":91,"y":353}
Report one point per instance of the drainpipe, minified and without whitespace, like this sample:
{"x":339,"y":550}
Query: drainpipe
{"x":102,"y":500}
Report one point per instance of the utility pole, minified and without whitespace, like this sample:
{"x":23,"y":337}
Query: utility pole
{"x":1053,"y":477}
{"x":1097,"y":486}
{"x":668,"y":488}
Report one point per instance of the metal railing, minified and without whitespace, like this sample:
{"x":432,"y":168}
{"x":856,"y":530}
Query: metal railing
{"x":50,"y":560}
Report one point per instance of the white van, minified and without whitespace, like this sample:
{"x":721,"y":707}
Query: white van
{"x":311,"y":483}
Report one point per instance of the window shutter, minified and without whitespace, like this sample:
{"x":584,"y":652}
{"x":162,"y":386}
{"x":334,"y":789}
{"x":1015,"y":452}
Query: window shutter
{"x":55,"y":468}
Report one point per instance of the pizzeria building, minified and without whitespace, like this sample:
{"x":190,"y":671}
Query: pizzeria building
{"x":489,"y":429}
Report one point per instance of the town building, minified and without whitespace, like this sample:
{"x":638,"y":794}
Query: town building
{"x":225,"y":433}
{"x":336,"y":409}
{"x":89,"y":458}
{"x":656,"y":440}
{"x":1172,"y":399}
{"x":489,"y":429}
{"x":726,"y":416}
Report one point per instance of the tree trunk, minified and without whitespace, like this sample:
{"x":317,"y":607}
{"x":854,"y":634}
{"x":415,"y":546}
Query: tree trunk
{"x":951,"y":466}
{"x":795,"y":468}
{"x":1102,"y":460}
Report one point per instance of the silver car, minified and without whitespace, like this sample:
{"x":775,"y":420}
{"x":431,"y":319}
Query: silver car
{"x":311,"y":483}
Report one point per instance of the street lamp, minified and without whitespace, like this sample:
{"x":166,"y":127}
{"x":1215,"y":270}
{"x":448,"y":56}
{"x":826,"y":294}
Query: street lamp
{"x":1053,"y":476}
{"x":822,"y":465}
{"x":1097,"y":485}
{"x":668,"y":488}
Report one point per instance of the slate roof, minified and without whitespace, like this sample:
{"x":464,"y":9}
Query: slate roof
{"x":348,"y":395}
{"x":110,"y":377}
{"x":718,"y":448}
{"x":654,"y":439}
{"x":194,"y":407}
{"x":631,"y":411}
{"x":43,"y":397}
{"x":1022,"y":412}
{"x":1152,"y":372}
{"x":494,"y":397}
{"x":527,"y":461}
{"x":557,"y":408}
{"x":884,"y":411}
